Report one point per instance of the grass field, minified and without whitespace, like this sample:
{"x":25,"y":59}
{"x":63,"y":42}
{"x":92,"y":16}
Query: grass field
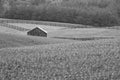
{"x":68,"y":32}
{"x":85,"y":33}
{"x":13,"y":37}
{"x":17,"y":40}
{"x":4,"y":29}
{"x":13,"y":27}
{"x":68,"y":53}
{"x":48,"y":28}
{"x":90,"y":60}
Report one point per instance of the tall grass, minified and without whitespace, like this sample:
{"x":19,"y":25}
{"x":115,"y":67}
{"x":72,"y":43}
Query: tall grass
{"x":74,"y":61}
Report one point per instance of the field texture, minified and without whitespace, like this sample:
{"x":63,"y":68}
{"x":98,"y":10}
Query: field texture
{"x":72,"y":32}
{"x":90,"y":60}
{"x":13,"y":27}
{"x":59,"y":59}
{"x":17,"y":40}
{"x":16,"y":35}
{"x":48,"y":28}
{"x":79,"y":33}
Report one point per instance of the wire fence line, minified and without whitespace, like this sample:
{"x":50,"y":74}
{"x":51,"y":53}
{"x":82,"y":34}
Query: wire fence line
{"x":14,"y":27}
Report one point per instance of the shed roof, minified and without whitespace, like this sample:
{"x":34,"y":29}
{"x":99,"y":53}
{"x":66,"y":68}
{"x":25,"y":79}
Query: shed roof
{"x":42,"y":29}
{"x":39,"y":29}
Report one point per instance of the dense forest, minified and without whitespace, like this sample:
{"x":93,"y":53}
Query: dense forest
{"x":98,"y":13}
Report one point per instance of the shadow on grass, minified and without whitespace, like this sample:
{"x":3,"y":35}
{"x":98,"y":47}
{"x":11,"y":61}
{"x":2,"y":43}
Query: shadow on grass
{"x":85,"y":39}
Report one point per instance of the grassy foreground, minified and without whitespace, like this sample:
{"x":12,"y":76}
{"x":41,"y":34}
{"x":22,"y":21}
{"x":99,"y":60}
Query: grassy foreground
{"x":90,"y":60}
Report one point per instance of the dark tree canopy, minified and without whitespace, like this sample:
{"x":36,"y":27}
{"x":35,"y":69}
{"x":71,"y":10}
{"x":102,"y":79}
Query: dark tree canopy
{"x":92,"y":12}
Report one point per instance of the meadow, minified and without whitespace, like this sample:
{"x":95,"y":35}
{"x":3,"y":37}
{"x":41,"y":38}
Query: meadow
{"x":12,"y":37}
{"x":90,"y":60}
{"x":68,"y":53}
{"x":14,"y":27}
{"x":73,"y":32}
{"x":29,"y":26}
{"x":12,"y":40}
{"x":85,"y":46}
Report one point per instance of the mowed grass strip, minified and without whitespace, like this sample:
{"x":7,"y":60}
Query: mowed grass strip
{"x":99,"y":60}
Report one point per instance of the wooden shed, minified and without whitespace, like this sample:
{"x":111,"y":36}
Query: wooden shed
{"x":37,"y":32}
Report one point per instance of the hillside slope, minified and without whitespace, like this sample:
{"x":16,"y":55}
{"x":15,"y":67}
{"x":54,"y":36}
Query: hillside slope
{"x":12,"y":40}
{"x":72,"y":31}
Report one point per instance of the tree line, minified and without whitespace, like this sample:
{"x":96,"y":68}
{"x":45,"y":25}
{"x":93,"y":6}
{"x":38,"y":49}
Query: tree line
{"x":95,"y":14}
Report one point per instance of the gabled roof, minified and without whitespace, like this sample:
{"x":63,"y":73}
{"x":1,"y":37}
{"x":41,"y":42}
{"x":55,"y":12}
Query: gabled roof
{"x":38,"y":28}
{"x":42,"y":29}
